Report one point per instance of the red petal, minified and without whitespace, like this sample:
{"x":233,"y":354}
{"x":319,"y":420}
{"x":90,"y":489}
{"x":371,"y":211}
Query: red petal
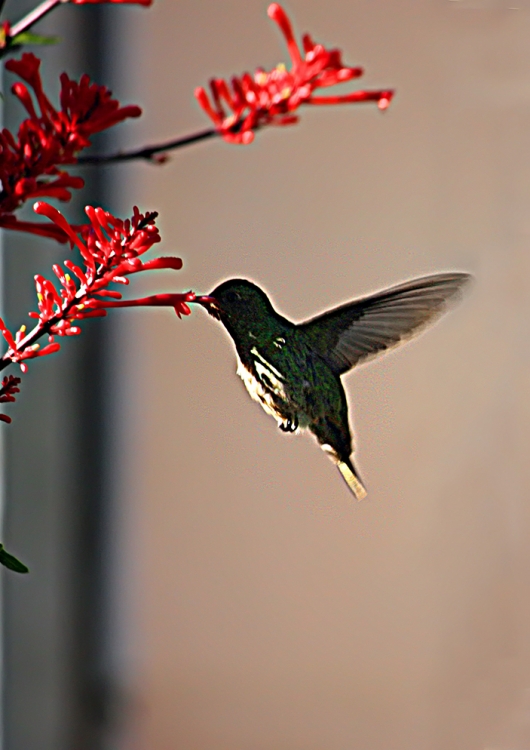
{"x":277,"y":13}
{"x":56,"y":216}
{"x":159,"y":263}
{"x":48,"y":349}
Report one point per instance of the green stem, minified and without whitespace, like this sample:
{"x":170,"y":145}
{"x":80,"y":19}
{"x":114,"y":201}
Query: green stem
{"x":35,"y":15}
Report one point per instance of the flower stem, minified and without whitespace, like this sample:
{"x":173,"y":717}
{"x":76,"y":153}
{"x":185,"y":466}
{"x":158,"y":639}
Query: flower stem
{"x":35,"y":334}
{"x":147,"y":152}
{"x":33,"y":16}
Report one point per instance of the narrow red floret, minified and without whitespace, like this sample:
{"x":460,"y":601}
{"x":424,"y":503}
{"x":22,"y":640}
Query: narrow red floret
{"x":8,"y":389}
{"x":248,"y":103}
{"x":48,"y":138}
{"x":176,"y":301}
{"x":110,"y":251}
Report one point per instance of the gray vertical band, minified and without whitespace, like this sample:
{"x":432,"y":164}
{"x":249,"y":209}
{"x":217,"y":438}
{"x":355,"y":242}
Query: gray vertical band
{"x":55,"y":510}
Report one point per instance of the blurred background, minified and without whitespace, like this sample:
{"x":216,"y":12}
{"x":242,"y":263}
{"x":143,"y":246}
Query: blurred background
{"x":200,"y":580}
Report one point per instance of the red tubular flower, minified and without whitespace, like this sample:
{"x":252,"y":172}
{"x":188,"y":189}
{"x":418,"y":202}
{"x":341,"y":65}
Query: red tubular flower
{"x":271,"y":98}
{"x":110,"y":250}
{"x":176,"y":301}
{"x":43,"y":230}
{"x":7,"y":393}
{"x":29,"y":164}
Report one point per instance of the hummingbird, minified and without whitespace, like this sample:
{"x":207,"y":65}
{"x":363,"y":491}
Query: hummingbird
{"x":294,"y":369}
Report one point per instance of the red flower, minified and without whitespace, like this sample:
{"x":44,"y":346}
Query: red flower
{"x":5,"y":33}
{"x":49,"y":138}
{"x":7,"y":393}
{"x":110,"y":250}
{"x":271,"y":98}
{"x":33,"y":227}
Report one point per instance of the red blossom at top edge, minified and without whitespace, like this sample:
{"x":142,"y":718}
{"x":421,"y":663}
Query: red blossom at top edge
{"x":48,"y":138}
{"x":272,"y":98}
{"x":110,"y":250}
{"x":121,"y":2}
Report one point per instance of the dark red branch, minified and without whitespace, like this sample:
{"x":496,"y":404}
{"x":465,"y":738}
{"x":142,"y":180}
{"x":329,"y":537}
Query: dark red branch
{"x":148,"y":152}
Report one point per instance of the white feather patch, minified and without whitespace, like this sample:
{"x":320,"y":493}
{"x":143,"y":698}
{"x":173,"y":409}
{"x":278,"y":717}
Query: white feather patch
{"x":258,"y":393}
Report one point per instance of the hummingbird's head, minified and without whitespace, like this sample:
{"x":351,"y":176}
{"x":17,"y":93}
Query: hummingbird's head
{"x":240,"y":305}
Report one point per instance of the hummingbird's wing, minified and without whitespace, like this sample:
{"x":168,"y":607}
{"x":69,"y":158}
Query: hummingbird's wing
{"x":357,"y":331}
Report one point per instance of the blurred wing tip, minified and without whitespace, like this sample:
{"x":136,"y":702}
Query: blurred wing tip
{"x":453,"y":285}
{"x":452,"y":279}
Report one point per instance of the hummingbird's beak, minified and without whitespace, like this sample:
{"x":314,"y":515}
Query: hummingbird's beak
{"x":204,"y":299}
{"x":210,"y":304}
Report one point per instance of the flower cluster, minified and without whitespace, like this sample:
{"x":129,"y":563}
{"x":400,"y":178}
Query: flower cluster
{"x":272,"y":98}
{"x":8,"y":389}
{"x":110,"y":250}
{"x":29,"y":164}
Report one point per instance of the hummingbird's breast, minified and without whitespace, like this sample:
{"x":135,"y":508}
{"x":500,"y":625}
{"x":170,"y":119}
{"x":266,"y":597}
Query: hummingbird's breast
{"x":266,"y":386}
{"x":269,"y":381}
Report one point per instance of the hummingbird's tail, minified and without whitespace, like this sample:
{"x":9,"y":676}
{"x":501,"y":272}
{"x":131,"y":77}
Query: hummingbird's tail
{"x":346,"y":468}
{"x":352,"y":478}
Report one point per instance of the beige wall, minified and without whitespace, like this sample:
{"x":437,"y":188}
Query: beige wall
{"x":261,"y":608}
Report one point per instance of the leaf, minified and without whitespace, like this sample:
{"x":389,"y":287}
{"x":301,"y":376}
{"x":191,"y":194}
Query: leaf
{"x":11,"y":562}
{"x":27,"y":37}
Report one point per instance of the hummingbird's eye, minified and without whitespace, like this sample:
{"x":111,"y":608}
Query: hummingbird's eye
{"x":233,"y":297}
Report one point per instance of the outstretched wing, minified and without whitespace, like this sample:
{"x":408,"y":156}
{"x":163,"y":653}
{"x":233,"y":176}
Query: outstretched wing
{"x":359,"y":330}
